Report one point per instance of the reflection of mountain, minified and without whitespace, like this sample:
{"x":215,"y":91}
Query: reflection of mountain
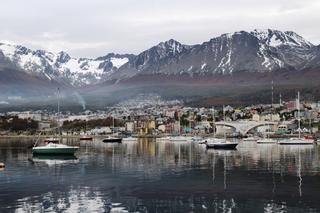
{"x":163,"y":177}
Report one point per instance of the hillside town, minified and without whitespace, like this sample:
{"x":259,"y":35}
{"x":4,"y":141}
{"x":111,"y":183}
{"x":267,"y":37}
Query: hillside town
{"x":150,"y":116}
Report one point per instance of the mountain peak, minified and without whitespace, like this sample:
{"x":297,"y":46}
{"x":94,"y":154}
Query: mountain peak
{"x":277,"y":38}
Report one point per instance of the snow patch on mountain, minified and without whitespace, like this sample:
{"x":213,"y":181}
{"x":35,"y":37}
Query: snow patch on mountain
{"x":61,"y":67}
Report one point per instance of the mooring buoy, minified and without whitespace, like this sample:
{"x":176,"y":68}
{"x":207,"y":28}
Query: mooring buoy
{"x":2,"y":165}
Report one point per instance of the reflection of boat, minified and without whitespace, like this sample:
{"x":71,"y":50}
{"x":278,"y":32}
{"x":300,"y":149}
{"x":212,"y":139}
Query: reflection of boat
{"x":86,"y":138}
{"x":111,"y":139}
{"x":55,"y":159}
{"x":266,"y":140}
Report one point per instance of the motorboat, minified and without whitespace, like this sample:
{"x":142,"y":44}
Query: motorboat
{"x":55,"y":149}
{"x":221,"y":144}
{"x":266,"y":141}
{"x":130,"y":139}
{"x":112,"y":139}
{"x":197,"y":139}
{"x":296,"y":141}
{"x":180,"y":138}
{"x":86,"y":138}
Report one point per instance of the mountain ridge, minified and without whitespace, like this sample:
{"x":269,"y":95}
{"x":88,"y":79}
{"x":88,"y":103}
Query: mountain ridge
{"x":243,"y":58}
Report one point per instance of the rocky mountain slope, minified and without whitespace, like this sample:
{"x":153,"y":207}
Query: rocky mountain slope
{"x":256,"y":51}
{"x":61,"y":67}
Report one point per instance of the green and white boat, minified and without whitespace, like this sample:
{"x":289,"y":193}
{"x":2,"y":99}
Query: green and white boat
{"x":52,"y":146}
{"x":55,"y":149}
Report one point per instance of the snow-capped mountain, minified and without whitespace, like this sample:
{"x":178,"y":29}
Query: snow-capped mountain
{"x":258,"y":51}
{"x":255,"y":51}
{"x":61,"y":67}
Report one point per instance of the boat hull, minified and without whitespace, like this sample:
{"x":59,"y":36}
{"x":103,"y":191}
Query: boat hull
{"x":86,"y":139}
{"x":295,"y":143}
{"x":222,"y":145}
{"x":112,"y":140}
{"x":262,"y":141}
{"x":55,"y":151}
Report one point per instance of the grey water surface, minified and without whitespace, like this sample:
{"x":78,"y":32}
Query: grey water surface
{"x":150,"y":176}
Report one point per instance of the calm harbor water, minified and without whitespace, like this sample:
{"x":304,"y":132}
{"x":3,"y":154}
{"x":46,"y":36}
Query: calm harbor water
{"x":149,"y":176}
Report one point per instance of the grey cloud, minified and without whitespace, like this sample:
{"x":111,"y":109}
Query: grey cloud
{"x":89,"y":28}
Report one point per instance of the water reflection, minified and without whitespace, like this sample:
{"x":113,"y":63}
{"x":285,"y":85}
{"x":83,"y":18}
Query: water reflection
{"x":54,"y":160}
{"x":148,"y":176}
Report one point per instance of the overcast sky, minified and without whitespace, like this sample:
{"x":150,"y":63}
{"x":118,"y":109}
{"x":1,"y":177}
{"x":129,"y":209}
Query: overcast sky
{"x":90,"y":28}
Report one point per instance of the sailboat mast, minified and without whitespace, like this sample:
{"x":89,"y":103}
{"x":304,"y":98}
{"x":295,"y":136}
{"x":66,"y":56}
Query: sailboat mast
{"x":224,"y":123}
{"x":299,"y":113}
{"x":272,"y":95}
{"x":59,"y":111}
{"x":214,"y":124}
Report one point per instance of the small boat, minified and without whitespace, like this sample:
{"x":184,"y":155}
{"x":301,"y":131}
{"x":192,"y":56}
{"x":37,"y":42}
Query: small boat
{"x":266,"y":141}
{"x":222,"y":145}
{"x":129,"y":139}
{"x":86,"y":138}
{"x":296,"y":141}
{"x":55,"y":149}
{"x":197,"y":139}
{"x":180,"y":139}
{"x":111,"y":139}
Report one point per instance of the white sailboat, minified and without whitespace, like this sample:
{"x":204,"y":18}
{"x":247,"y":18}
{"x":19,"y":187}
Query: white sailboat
{"x":112,"y":138}
{"x":179,"y":137}
{"x":218,"y":143}
{"x":53,"y":147}
{"x":268,"y":140}
{"x":299,"y":140}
